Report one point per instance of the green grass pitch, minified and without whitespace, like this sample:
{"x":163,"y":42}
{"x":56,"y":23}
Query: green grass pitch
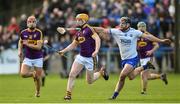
{"x":14,"y":89}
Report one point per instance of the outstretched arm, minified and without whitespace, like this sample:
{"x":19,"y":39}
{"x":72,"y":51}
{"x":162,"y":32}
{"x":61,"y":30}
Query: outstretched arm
{"x":155,"y":39}
{"x":63,"y":30}
{"x":70,"y":47}
{"x":102,"y":32}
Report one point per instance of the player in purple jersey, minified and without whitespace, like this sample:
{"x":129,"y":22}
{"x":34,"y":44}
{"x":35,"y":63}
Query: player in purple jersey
{"x":89,"y":43}
{"x":31,"y":42}
{"x":146,"y":48}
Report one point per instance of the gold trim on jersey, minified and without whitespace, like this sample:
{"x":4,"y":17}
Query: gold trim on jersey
{"x":81,"y":39}
{"x":94,"y":34}
{"x":142,"y":44}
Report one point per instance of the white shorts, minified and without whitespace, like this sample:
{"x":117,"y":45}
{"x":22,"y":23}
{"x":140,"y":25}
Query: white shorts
{"x":144,"y":61}
{"x":86,"y":61}
{"x":33,"y":62}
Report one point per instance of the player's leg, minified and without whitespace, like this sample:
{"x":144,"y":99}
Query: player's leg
{"x":90,"y":64}
{"x":25,"y":68}
{"x":38,"y":64}
{"x":124,"y":73}
{"x":37,"y":80}
{"x":92,"y":76}
{"x":144,"y":80}
{"x":128,"y":66}
{"x":163,"y":77}
{"x":145,"y":64}
{"x":44,"y":71}
{"x":147,"y":75}
{"x":75,"y":70}
{"x":43,"y":77}
{"x":135,"y":72}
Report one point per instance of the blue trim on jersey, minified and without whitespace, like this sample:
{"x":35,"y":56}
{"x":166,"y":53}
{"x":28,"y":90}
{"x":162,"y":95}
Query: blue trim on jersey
{"x":110,"y":32}
{"x":133,"y":61}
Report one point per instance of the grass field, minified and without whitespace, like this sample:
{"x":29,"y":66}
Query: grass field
{"x":14,"y":89}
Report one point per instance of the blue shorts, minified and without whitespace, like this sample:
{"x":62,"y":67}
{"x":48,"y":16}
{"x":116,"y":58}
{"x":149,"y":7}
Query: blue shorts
{"x":133,"y":61}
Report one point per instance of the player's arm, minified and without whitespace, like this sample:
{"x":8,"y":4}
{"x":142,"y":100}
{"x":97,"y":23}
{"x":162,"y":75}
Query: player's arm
{"x":39,"y":42}
{"x":46,"y":57}
{"x":63,"y":30}
{"x":155,"y":45}
{"x":102,"y":32}
{"x":97,"y":42}
{"x":20,"y":46}
{"x":69,"y":47}
{"x":37,"y":46}
{"x":155,"y":39}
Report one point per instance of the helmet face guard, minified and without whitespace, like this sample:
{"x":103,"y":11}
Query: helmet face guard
{"x":82,"y":19}
{"x":80,"y":22}
{"x":141,"y":26}
{"x":125,"y":23}
{"x":31,"y":22}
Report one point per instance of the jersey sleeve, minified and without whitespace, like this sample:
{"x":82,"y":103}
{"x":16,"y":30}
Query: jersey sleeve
{"x":91,"y":31}
{"x":21,"y":34}
{"x":40,"y":35}
{"x":139,"y":33}
{"x":112,"y":32}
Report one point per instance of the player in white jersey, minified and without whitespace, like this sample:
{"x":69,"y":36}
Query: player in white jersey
{"x":126,"y":38}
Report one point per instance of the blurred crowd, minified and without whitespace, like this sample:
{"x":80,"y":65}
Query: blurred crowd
{"x":158,"y":14}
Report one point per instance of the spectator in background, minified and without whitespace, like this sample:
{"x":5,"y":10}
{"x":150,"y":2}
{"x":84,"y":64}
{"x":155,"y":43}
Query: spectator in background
{"x":56,"y":19}
{"x":1,"y":43}
{"x":65,"y":41}
{"x":80,"y":8}
{"x":13,"y":26}
{"x":54,"y":4}
{"x":170,"y":54}
{"x":22,"y":23}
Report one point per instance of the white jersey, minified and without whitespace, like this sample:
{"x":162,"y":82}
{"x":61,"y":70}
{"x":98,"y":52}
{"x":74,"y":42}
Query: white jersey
{"x":127,"y":41}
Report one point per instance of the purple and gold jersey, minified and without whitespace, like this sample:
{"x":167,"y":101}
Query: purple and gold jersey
{"x":32,"y":37}
{"x":87,"y":43}
{"x":144,"y":45}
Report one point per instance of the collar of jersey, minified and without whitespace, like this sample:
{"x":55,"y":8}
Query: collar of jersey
{"x":85,"y":25}
{"x":31,"y":30}
{"x":127,"y":30}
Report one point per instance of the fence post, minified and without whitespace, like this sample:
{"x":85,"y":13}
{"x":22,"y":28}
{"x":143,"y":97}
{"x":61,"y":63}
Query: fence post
{"x":177,"y":38}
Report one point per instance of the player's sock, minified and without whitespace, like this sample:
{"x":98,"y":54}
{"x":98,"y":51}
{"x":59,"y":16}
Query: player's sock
{"x":68,"y":95}
{"x":34,"y":76}
{"x":143,"y":91}
{"x":37,"y":94}
{"x":115,"y":95}
{"x":43,"y":80}
{"x":149,"y":65}
{"x":104,"y":73}
{"x":164,"y":78}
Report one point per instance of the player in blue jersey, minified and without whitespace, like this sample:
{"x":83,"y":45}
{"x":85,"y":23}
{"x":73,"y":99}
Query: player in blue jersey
{"x":89,"y":43}
{"x":146,"y":48}
{"x":31,"y":42}
{"x":126,"y":38}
